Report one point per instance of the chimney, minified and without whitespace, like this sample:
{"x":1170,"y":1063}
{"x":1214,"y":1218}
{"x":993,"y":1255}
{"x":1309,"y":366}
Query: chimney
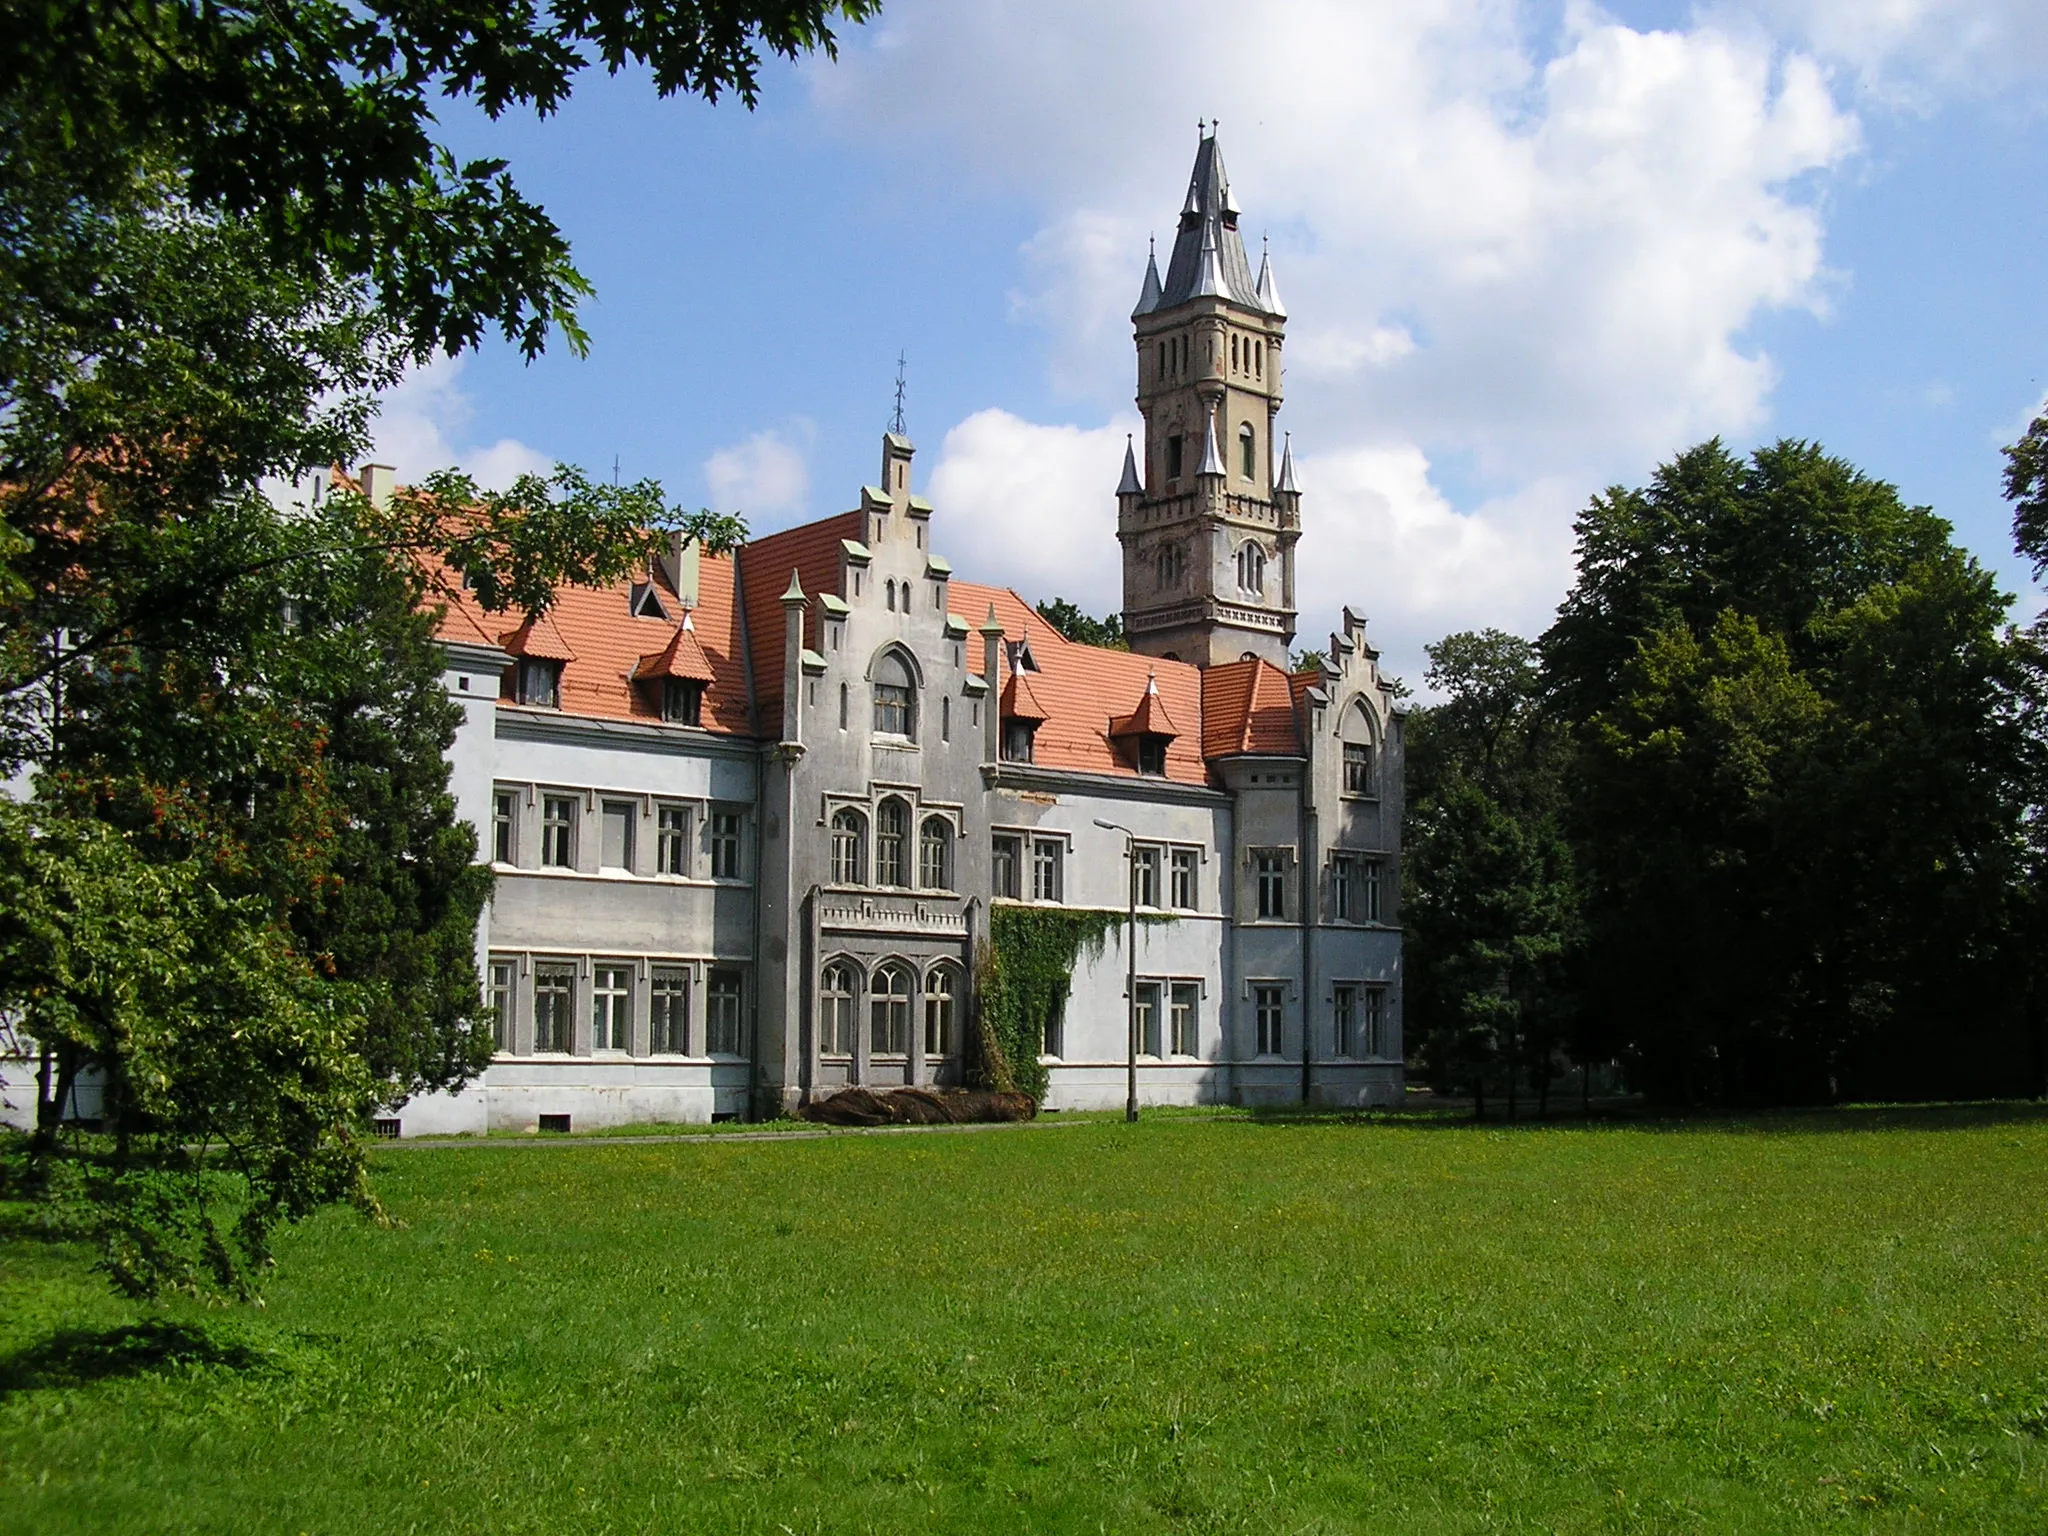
{"x":377,"y":481}
{"x":681,"y":565}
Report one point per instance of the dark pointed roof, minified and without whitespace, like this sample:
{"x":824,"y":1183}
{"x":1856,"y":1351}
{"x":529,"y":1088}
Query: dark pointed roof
{"x":1148,"y":295}
{"x":1130,"y":485}
{"x":1208,"y":252}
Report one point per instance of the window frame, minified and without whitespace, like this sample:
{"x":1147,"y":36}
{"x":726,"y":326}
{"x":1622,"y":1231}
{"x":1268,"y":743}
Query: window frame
{"x":1006,"y":854}
{"x":1048,"y":870}
{"x":889,"y":1010}
{"x":838,"y":1007}
{"x":668,"y":1025}
{"x":672,"y":839}
{"x":505,"y":826}
{"x":1344,"y":1020}
{"x":625,"y":814}
{"x":504,"y":994}
{"x":848,"y":832}
{"x":892,"y":836}
{"x":558,"y":834}
{"x":934,"y":854}
{"x":895,"y":702}
{"x":554,"y":1035}
{"x":941,"y":1012}
{"x":1147,"y":1006}
{"x":725,"y":985}
{"x":1269,"y":879}
{"x":723,"y":830}
{"x":611,"y":1006}
{"x":1269,"y":1019}
{"x":1145,"y":883}
{"x":1186,"y":863}
{"x":537,"y":682}
{"x":1184,"y":1005}
{"x":1361,"y":771}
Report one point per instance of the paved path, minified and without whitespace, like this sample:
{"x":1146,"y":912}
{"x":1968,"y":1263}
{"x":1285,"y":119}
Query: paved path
{"x":819,"y":1133}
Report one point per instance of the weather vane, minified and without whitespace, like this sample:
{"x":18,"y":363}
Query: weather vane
{"x":896,"y":421}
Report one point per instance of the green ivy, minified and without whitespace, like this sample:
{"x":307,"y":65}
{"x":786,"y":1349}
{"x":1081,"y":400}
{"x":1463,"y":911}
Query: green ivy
{"x":1024,"y":974}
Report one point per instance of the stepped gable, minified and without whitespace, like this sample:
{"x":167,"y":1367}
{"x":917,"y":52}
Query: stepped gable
{"x":813,"y":551}
{"x":1249,"y":707}
{"x":1082,"y":688}
{"x":604,"y":643}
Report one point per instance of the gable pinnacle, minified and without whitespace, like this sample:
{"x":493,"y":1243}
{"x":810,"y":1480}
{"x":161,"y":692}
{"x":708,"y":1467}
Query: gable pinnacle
{"x":1130,"y":485}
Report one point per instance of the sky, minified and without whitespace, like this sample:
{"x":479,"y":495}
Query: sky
{"x":1528,"y":250}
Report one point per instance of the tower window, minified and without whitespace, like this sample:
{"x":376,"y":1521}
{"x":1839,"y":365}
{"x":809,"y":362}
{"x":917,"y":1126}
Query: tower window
{"x":849,"y":848}
{"x":1233,"y":354}
{"x":1251,"y":569}
{"x":1259,"y":358}
{"x":893,"y":713}
{"x":1167,"y":565}
{"x":1248,"y":451}
{"x":1173,"y":452}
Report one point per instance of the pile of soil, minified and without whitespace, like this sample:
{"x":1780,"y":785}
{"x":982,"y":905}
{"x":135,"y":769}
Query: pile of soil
{"x":918,"y":1106}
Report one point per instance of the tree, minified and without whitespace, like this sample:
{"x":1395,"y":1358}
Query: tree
{"x":313,"y":124}
{"x":1492,"y":904}
{"x":2026,"y":487}
{"x":1077,"y":626}
{"x":226,"y":229}
{"x":1800,"y":760}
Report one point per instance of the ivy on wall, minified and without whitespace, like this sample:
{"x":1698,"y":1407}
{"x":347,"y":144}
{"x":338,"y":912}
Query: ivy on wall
{"x":1022,"y":976}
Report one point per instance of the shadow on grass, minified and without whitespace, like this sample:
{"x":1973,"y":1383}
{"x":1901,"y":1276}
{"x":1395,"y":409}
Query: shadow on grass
{"x":78,"y":1356}
{"x":1819,"y":1120}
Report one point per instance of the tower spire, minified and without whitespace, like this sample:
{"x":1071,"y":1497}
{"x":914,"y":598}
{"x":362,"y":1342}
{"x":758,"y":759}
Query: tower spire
{"x":896,"y":421}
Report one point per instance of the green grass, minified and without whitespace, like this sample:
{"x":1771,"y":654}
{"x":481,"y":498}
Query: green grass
{"x":1829,"y":1322}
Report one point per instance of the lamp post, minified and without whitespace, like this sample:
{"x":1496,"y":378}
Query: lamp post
{"x":1131,"y":974}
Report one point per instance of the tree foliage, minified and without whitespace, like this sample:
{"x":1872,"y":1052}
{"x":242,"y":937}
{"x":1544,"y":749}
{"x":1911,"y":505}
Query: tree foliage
{"x":1083,"y":629}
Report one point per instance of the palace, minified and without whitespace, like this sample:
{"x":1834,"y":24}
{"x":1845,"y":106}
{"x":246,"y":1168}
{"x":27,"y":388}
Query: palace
{"x":749,"y":815}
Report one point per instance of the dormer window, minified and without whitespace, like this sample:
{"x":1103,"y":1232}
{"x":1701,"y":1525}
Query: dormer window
{"x":1017,"y":737}
{"x":539,"y":682}
{"x":682,"y":701}
{"x":645,"y":602}
{"x":1152,"y":755}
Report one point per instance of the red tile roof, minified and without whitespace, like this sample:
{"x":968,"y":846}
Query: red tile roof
{"x":813,"y":552}
{"x":682,"y":657}
{"x":1248,"y":706}
{"x":1020,"y":703}
{"x":1083,"y":687}
{"x":538,"y":638}
{"x":1148,"y":719}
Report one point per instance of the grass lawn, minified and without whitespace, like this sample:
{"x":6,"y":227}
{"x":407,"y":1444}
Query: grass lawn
{"x":1826,"y":1322}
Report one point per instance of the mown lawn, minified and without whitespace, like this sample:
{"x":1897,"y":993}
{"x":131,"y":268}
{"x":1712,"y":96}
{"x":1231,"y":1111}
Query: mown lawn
{"x":1828,"y":1322}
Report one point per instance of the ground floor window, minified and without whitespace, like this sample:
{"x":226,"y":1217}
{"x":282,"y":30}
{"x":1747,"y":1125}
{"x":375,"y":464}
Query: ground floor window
{"x":1266,"y":1008}
{"x":835,"y":1010}
{"x":1053,"y":1039}
{"x":1375,"y":1021}
{"x":502,"y":974}
{"x":889,"y":1012}
{"x":668,"y":1012}
{"x":1147,"y":1020}
{"x":938,"y":1013}
{"x":1344,"y":1020}
{"x":554,"y":991}
{"x":611,"y":1007}
{"x":724,"y":1025}
{"x":1187,"y":1015}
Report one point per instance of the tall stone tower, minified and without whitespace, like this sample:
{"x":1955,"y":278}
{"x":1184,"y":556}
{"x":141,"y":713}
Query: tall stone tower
{"x":1209,"y":518}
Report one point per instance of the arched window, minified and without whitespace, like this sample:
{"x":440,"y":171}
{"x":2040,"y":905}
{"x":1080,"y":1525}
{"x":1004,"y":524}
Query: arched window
{"x":940,"y":989}
{"x":892,"y":830}
{"x":835,"y":1009}
{"x":849,"y":848}
{"x":1167,"y":566}
{"x":1233,"y":354}
{"x":1251,"y":569}
{"x":935,"y":854}
{"x":1259,"y":358}
{"x":1248,"y":451}
{"x":889,"y":1012}
{"x":895,"y":694}
{"x":1361,"y":751}
{"x":889,"y":599}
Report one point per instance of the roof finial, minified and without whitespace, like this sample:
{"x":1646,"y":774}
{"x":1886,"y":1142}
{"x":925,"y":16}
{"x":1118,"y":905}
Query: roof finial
{"x":896,"y":421}
{"x":1201,"y":126}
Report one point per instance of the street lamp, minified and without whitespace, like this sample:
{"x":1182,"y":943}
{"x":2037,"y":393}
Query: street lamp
{"x":1131,"y":976}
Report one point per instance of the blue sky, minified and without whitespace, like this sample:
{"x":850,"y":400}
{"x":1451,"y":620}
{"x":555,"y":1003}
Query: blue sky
{"x":1528,"y":250}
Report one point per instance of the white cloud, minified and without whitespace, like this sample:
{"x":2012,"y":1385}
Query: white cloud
{"x":767,"y":478}
{"x":422,"y":424}
{"x":1916,"y":52}
{"x":1033,"y":507}
{"x":1540,"y":255}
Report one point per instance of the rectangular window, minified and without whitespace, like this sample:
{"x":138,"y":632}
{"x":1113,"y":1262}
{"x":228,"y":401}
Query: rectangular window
{"x":1375,"y":1032}
{"x":1017,"y":736}
{"x":1152,"y":754}
{"x":617,"y":852}
{"x":1266,"y":1008}
{"x":540,"y":682}
{"x":1145,"y":876}
{"x":1148,"y":1019}
{"x":945,"y":718}
{"x":1369,"y":890}
{"x":554,"y":991}
{"x":835,"y":1011}
{"x":1359,"y":778}
{"x":682,"y":701}
{"x":725,"y":845}
{"x":672,"y":840}
{"x":724,"y":1028}
{"x":1185,"y":862}
{"x":1340,"y":887}
{"x":1045,"y":869}
{"x":1344,"y":1020}
{"x":1271,"y":866}
{"x":502,"y":974}
{"x":1003,"y":857}
{"x":892,"y":709}
{"x":504,"y":826}
{"x":611,"y":1007}
{"x":558,"y":831}
{"x":1054,"y":1036}
{"x":1173,"y":455}
{"x":668,"y":1011}
{"x":1187,"y":1018}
